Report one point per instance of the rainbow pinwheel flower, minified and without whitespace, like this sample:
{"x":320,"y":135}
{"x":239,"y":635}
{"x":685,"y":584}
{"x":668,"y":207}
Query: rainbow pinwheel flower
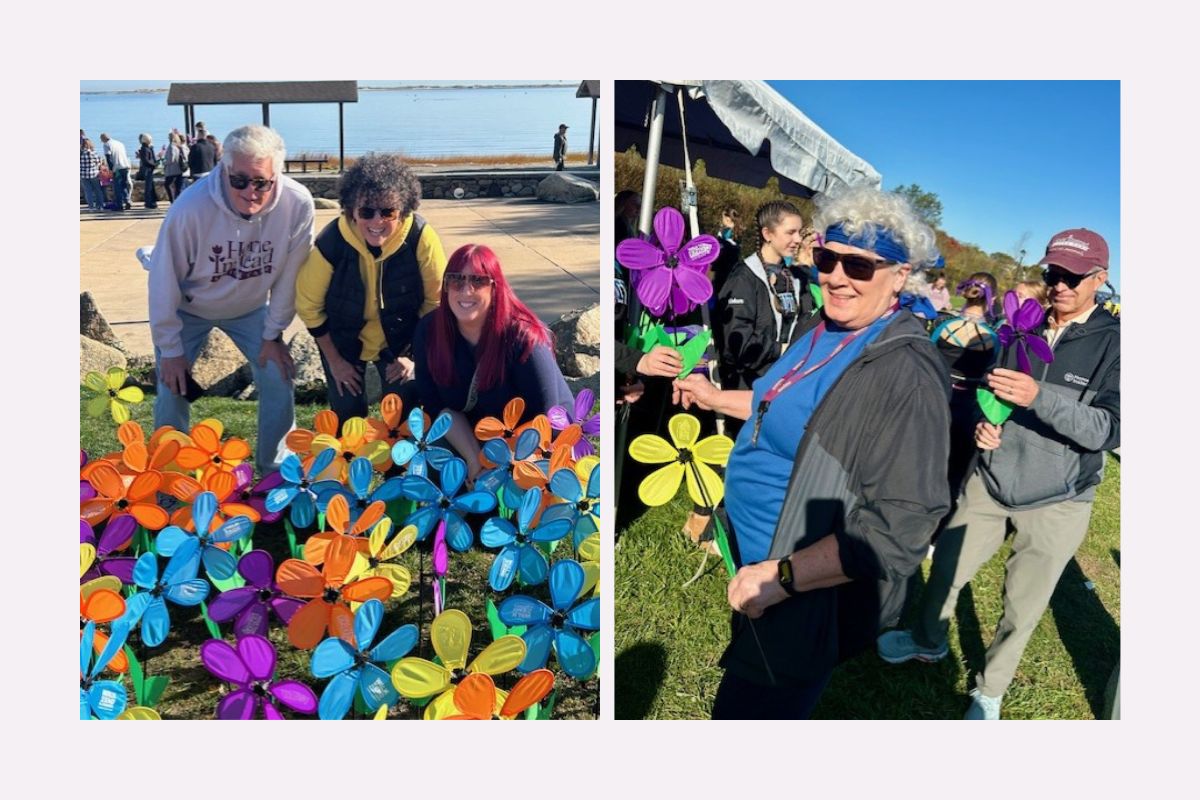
{"x":250,"y":606}
{"x":100,"y":699}
{"x":116,"y":537}
{"x":687,"y":457}
{"x":391,"y":429}
{"x":357,"y":489}
{"x":178,"y":584}
{"x":520,"y":556}
{"x":327,"y":591}
{"x":1022,"y":319}
{"x":559,"y":625}
{"x":451,"y":638}
{"x":337,"y":517}
{"x":477,"y":697}
{"x":110,"y":396}
{"x":207,"y":451}
{"x":221,"y":485}
{"x":114,"y":498}
{"x":383,"y":556}
{"x":550,"y":455}
{"x":353,"y":443}
{"x":252,"y":494}
{"x":354,"y":665}
{"x":100,"y":602}
{"x":296,"y":493}
{"x":420,"y":453}
{"x":670,"y":275}
{"x":500,"y":480}
{"x":580,"y":509}
{"x":300,"y":441}
{"x":251,"y":669}
{"x":561,"y":419}
{"x":445,"y":504}
{"x":218,"y":562}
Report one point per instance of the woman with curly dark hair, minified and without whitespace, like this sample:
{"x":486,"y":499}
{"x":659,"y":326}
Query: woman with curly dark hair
{"x":372,"y":273}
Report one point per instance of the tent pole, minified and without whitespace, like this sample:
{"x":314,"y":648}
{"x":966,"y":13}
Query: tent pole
{"x":653,"y":149}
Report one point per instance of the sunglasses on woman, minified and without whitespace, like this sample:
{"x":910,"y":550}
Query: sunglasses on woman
{"x":240,"y":182}
{"x":366,"y":212}
{"x":459,"y":281}
{"x":1054,"y":277}
{"x":857,"y":268}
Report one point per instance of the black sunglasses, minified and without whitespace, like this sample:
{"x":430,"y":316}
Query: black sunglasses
{"x":1053,"y":277}
{"x":858,"y":268}
{"x":459,"y":281}
{"x":366,"y":212}
{"x":240,"y":182}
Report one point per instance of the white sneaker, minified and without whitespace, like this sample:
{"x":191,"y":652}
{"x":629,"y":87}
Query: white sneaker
{"x":983,"y":707}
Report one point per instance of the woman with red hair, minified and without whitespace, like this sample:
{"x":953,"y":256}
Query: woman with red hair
{"x":481,"y":348}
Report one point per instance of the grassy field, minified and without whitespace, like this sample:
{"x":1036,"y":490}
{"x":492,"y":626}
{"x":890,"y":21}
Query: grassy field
{"x":193,"y":693}
{"x":669,"y":639}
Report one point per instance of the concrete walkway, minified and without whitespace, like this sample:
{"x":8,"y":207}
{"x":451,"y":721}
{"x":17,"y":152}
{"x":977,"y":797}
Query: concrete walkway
{"x":550,"y":253}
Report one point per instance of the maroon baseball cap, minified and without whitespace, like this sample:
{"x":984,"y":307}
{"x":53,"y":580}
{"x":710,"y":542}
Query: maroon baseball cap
{"x":1077,"y":250}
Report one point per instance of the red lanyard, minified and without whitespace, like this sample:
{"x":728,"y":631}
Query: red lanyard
{"x":799,"y":373}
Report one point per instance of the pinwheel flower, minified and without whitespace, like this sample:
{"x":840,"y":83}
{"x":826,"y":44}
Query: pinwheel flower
{"x":300,"y":441}
{"x":357,"y":489}
{"x":221,"y":485}
{"x":450,"y":634}
{"x":136,"y":457}
{"x":476,"y":697}
{"x":355,"y":664}
{"x":550,"y":455}
{"x":383,"y":556}
{"x":178,"y":584}
{"x":110,"y":396}
{"x":251,"y":669}
{"x":250,"y":606}
{"x":561,"y":419}
{"x":327,"y":591}
{"x":1022,"y":318}
{"x":687,"y":456}
{"x":208,"y":452}
{"x":337,"y":517}
{"x":114,"y":498}
{"x":520,"y":556}
{"x":254,"y":495}
{"x":296,"y":493}
{"x":100,"y":699}
{"x":116,"y":537}
{"x":218,"y":562}
{"x":86,"y":490}
{"x":100,"y":602}
{"x":559,"y":625}
{"x":507,"y":428}
{"x":670,"y":275}
{"x":580,"y":509}
{"x":391,"y":429}
{"x":420,"y":453}
{"x":445,"y":504}
{"x":353,"y":443}
{"x":500,"y":480}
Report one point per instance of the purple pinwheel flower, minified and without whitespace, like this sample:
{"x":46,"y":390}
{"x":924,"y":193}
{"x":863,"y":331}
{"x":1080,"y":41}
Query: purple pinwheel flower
{"x":520,"y":555}
{"x":116,"y":536}
{"x":446,"y":505}
{"x":1022,"y":319}
{"x":250,"y":668}
{"x":560,"y":419}
{"x":670,"y":274}
{"x":419,"y":453}
{"x":358,"y":492}
{"x":296,"y":493}
{"x":356,"y":665}
{"x":219,"y":564}
{"x":255,"y":494}
{"x":559,"y":625}
{"x":253,"y":603}
{"x":86,"y":490}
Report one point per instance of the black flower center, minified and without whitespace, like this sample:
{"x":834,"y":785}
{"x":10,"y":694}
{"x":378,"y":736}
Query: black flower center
{"x":584,"y":505}
{"x":558,"y":620}
{"x":265,"y":593}
{"x":260,"y":688}
{"x":112,"y":393}
{"x":672,"y":262}
{"x":216,"y":459}
{"x":444,"y":503}
{"x":331,"y":595}
{"x":347,"y":456}
{"x":122,"y":504}
{"x":685,"y":456}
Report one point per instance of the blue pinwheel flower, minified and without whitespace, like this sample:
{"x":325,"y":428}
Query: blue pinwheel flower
{"x":357,"y":490}
{"x":219,"y":564}
{"x":179,"y":584}
{"x":296,"y":493}
{"x":419,"y":453}
{"x":520,"y":555}
{"x":354,"y":664}
{"x":499,"y":480}
{"x":580,"y":510}
{"x":100,"y":699}
{"x":446,"y":505}
{"x":559,"y":625}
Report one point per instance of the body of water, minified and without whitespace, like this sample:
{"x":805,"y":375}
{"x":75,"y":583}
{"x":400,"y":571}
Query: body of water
{"x":416,"y":122}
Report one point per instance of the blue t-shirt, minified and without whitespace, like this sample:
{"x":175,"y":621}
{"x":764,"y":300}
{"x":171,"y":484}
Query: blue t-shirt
{"x":757,"y":475}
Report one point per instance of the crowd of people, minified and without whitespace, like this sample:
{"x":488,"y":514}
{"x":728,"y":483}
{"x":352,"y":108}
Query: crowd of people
{"x":850,"y":382}
{"x":182,"y":160}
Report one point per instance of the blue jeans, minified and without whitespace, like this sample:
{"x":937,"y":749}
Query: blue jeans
{"x":121,"y":188}
{"x":276,"y":402}
{"x":93,"y":192}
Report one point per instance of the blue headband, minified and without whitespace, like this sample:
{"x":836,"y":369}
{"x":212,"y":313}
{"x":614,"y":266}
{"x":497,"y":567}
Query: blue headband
{"x":880,"y":241}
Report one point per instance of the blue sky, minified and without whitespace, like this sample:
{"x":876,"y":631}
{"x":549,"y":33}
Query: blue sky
{"x":1004,"y":157}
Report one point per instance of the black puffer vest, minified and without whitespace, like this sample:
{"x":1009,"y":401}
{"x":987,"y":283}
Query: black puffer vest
{"x":399,"y":293}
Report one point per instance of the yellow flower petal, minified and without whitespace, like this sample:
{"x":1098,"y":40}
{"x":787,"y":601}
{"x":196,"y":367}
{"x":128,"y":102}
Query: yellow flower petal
{"x":417,"y":677}
{"x":115,"y":378}
{"x":591,"y":577}
{"x":661,"y":485}
{"x":98,"y":405}
{"x":110,"y":582}
{"x":713,"y":491}
{"x":87,"y":555}
{"x":95,"y":381}
{"x":589,"y":548}
{"x":584,"y":467}
{"x":140,"y":713}
{"x":651,"y":449}
{"x":400,"y":543}
{"x":131,"y":394}
{"x":685,"y":430}
{"x":713,"y":449}
{"x":120,"y":412}
{"x":450,"y":634}
{"x":500,"y":656}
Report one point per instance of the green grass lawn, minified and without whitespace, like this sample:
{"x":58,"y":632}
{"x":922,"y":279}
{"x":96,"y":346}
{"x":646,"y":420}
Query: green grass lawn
{"x":669,"y":639}
{"x":193,"y":693}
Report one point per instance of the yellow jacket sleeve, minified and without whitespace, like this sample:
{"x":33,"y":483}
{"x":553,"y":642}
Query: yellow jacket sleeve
{"x":432,"y":259}
{"x":311,"y":286}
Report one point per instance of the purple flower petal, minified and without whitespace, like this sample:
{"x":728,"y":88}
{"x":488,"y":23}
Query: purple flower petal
{"x":86,"y":492}
{"x":86,"y":534}
{"x":285,"y":607}
{"x":1028,"y":316}
{"x":237,"y":705}
{"x":638,"y":255}
{"x":1011,"y":304}
{"x":1022,"y":359}
{"x":680,"y":303}
{"x":121,"y":567}
{"x":584,"y":402}
{"x":1040,"y":348}
{"x":117,"y":535}
{"x":244,"y":474}
{"x":254,"y":620}
{"x":700,"y":252}
{"x":668,"y":229}
{"x":224,"y":662}
{"x":591,"y":425}
{"x":269,"y":481}
{"x":558,"y":418}
{"x":1006,"y":335}
{"x":696,"y":286}
{"x":259,"y":656}
{"x":270,"y":711}
{"x":654,"y":290}
{"x":441,"y":556}
{"x":583,"y":448}
{"x":257,"y":567}
{"x":295,"y":695}
{"x":229,"y":604}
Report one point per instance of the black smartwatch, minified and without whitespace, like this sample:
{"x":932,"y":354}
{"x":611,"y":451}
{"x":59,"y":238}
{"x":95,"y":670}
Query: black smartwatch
{"x":786,"y":578}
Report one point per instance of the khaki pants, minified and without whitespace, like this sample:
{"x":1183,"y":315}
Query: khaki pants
{"x":1045,"y":541}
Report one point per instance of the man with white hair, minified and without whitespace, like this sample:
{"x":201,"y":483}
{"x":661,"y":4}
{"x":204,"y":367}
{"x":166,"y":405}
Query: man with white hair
{"x":227,"y":257}
{"x":118,"y":162}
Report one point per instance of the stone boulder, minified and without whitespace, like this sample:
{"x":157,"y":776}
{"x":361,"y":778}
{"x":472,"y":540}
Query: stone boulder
{"x":564,"y":188}
{"x":577,"y":342}
{"x":221,"y":368}
{"x":306,"y":357}
{"x":93,"y":325}
{"x":97,"y":357}
{"x":322,"y":202}
{"x":576,"y":385}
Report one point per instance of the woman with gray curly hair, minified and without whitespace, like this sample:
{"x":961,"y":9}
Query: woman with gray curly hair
{"x":372,"y":274}
{"x":837,"y":481}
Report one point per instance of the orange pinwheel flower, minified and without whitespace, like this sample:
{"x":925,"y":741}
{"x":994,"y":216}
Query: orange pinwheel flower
{"x":114,"y":497}
{"x":391,"y":429}
{"x":208,"y":453}
{"x":223,"y":485}
{"x":507,"y":428}
{"x":476,"y":696}
{"x":337,"y":517}
{"x":328,"y":592}
{"x":551,"y":454}
{"x":300,"y":441}
{"x":99,"y":601}
{"x":135,"y":456}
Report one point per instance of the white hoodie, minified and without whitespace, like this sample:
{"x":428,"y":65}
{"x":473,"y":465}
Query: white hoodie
{"x":211,"y":262}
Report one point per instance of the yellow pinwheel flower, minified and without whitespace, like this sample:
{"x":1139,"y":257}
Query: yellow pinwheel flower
{"x":383,"y":557}
{"x":140,"y":713}
{"x":110,"y":396}
{"x":451,"y":638}
{"x":589,"y":559}
{"x":687,"y":457}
